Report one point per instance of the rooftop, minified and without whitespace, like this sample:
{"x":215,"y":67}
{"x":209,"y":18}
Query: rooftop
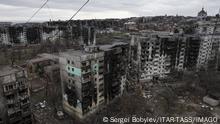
{"x":110,"y":46}
{"x":202,"y":12}
{"x":78,"y":53}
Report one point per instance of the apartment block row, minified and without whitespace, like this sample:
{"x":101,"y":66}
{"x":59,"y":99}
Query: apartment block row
{"x":31,"y":34}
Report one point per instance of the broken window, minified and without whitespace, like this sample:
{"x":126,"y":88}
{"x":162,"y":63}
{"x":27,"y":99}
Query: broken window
{"x":10,"y":106}
{"x":204,"y":29}
{"x":26,"y":109}
{"x":71,"y":97}
{"x":10,"y":96}
{"x":68,"y":61}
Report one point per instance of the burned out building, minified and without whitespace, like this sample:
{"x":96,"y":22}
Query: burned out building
{"x":157,"y":54}
{"x":92,"y":77}
{"x":14,"y":92}
{"x":188,"y":52}
{"x":153,"y":55}
{"x":192,"y":47}
{"x":82,"y":77}
{"x":209,"y":31}
{"x":4,"y":36}
{"x":115,"y":68}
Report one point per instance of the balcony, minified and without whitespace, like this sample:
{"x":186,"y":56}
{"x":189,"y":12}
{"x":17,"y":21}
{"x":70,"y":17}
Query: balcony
{"x":85,"y":64}
{"x":23,"y":96}
{"x":11,"y":101}
{"x":25,"y":102}
{"x":20,"y":75}
{"x":14,"y":110}
{"x":26,"y":113}
{"x":23,"y":86}
{"x":9,"y":92}
{"x":86,"y":78}
{"x":87,"y":71}
{"x":15,"y":119}
{"x":85,"y":93}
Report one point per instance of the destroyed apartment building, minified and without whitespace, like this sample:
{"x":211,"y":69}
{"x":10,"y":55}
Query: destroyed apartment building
{"x":115,"y":68}
{"x":92,"y":77}
{"x":209,"y":51}
{"x":15,"y":101}
{"x":156,"y":55}
{"x":82,"y":77}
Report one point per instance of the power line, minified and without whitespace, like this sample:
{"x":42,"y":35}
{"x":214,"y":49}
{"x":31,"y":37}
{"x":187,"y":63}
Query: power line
{"x":36,"y":12}
{"x":78,"y":10}
{"x":73,"y":16}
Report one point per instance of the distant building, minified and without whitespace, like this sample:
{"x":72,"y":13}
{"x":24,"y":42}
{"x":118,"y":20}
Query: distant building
{"x":5,"y":37}
{"x":14,"y":96}
{"x":209,"y":32}
{"x":51,"y":33}
{"x":192,"y":47}
{"x":23,"y":36}
{"x":131,"y":26}
{"x":158,"y":54}
{"x":202,"y":15}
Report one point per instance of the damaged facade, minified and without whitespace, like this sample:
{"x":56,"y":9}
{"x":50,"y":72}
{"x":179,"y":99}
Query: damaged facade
{"x":209,"y":32}
{"x":82,"y":76}
{"x":157,"y":54}
{"x":15,"y":101}
{"x":115,"y":68}
{"x":92,"y":77}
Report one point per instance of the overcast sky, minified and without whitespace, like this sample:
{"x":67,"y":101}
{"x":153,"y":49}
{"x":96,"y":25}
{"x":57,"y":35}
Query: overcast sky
{"x":21,"y":10}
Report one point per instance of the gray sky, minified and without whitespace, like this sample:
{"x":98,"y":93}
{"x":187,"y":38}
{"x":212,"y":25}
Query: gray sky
{"x":21,"y":10}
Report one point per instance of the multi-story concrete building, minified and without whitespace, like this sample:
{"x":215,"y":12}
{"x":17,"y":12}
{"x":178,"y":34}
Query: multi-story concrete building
{"x":192,"y":47}
{"x":209,"y":31}
{"x":14,"y":96}
{"x":187,"y":52}
{"x":51,"y":33}
{"x":82,"y":76}
{"x":115,"y":68}
{"x":23,"y":36}
{"x":4,"y":33}
{"x":92,"y":77}
{"x":156,"y":55}
{"x":5,"y":37}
